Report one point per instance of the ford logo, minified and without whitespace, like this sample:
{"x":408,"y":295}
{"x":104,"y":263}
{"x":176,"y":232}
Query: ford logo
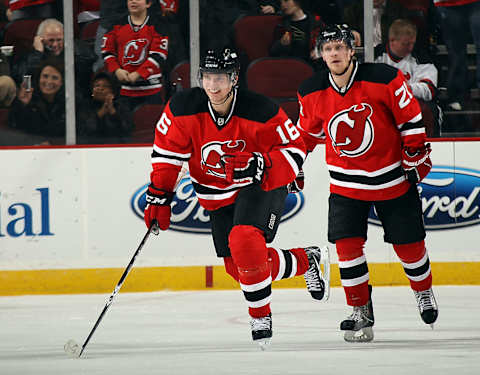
{"x":450,"y":198}
{"x":189,"y":216}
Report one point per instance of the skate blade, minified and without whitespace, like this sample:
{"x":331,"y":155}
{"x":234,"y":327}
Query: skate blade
{"x":264,"y":344}
{"x":362,"y":335}
{"x":432,"y":326}
{"x":72,"y":349}
{"x":325,"y":268}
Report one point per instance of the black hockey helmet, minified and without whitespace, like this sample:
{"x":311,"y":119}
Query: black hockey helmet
{"x":341,"y":33}
{"x":224,"y":60}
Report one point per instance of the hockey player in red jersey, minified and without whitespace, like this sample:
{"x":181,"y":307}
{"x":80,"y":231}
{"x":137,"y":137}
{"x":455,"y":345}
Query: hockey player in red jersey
{"x":376,"y":154}
{"x":242,"y":151}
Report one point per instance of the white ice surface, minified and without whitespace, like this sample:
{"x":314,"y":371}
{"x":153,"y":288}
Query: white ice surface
{"x":208,"y":333}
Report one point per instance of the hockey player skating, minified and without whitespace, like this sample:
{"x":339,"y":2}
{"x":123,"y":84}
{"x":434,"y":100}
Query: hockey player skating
{"x":376,"y":154}
{"x":242,"y":152}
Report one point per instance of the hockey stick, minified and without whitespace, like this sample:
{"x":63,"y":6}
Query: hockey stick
{"x":71,"y":347}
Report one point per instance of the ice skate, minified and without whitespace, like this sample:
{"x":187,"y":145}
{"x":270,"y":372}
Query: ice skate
{"x":427,"y":306}
{"x":262,"y":331}
{"x":358,"y":326}
{"x":318,"y":281}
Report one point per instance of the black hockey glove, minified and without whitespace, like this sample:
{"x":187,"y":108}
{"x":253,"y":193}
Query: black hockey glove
{"x":244,"y":167}
{"x":158,"y":207}
{"x":296,"y":186}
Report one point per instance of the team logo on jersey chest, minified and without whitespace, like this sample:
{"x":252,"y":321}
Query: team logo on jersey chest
{"x":135,"y":52}
{"x":351,"y":130}
{"x":213,"y":151}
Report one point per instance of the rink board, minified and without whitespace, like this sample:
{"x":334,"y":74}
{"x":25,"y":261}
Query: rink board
{"x":70,"y":222}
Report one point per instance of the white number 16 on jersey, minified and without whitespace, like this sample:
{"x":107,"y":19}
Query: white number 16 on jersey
{"x":292,"y":131}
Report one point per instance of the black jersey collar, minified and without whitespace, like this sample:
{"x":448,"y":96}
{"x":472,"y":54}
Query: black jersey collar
{"x":221,"y":121}
{"x":137,"y":27}
{"x":343,"y":90}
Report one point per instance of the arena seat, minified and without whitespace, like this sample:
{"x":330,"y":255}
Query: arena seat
{"x":20,"y":34}
{"x":89,"y":31}
{"x":180,"y":75}
{"x":254,"y":35}
{"x":277,"y":77}
{"x":145,"y":118}
{"x":291,"y":108}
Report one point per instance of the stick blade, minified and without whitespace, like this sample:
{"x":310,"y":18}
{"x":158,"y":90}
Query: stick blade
{"x":72,"y":349}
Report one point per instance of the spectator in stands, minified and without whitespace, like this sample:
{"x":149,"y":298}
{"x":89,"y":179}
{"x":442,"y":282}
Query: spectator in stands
{"x":419,"y":71}
{"x":41,"y":109}
{"x":24,"y":9}
{"x":136,"y":53}
{"x":386,"y":11}
{"x":293,"y":34}
{"x":100,"y":119}
{"x":454,"y":14}
{"x":8,"y":91}
{"x":48,"y":44}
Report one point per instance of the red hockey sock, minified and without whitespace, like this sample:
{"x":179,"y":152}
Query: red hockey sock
{"x":231,"y":268}
{"x":287,"y":263}
{"x":416,"y":264}
{"x":249,"y":252}
{"x":353,"y":270}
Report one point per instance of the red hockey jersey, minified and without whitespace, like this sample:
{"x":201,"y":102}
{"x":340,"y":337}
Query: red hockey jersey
{"x":136,"y":48}
{"x":189,"y":130}
{"x":365,"y":125}
{"x":19,"y":4}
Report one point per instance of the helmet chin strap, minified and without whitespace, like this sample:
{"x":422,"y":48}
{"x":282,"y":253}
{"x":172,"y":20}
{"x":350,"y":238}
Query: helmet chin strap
{"x":224,"y":100}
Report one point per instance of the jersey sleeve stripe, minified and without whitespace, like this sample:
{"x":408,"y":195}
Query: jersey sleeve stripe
{"x":166,"y":160}
{"x":158,"y":150}
{"x":412,"y":132}
{"x":320,"y":135}
{"x":154,"y":62}
{"x":414,"y":120}
{"x":294,"y":157}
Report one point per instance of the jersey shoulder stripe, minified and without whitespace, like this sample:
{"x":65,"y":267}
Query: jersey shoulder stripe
{"x":255,"y":107}
{"x":189,"y":102}
{"x":376,"y":73}
{"x":317,"y":82}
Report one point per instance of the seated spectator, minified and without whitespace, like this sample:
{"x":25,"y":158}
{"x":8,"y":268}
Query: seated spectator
{"x":419,"y":72}
{"x":41,"y":109}
{"x":136,"y":53}
{"x":100,"y":119}
{"x":293,"y":34}
{"x":48,"y":44}
{"x":386,"y":11}
{"x":24,"y":9}
{"x":8,"y":91}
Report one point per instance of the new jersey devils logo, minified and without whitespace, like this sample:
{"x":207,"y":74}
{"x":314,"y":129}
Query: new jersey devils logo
{"x":135,"y":52}
{"x":351,"y":130}
{"x":213,"y":151}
